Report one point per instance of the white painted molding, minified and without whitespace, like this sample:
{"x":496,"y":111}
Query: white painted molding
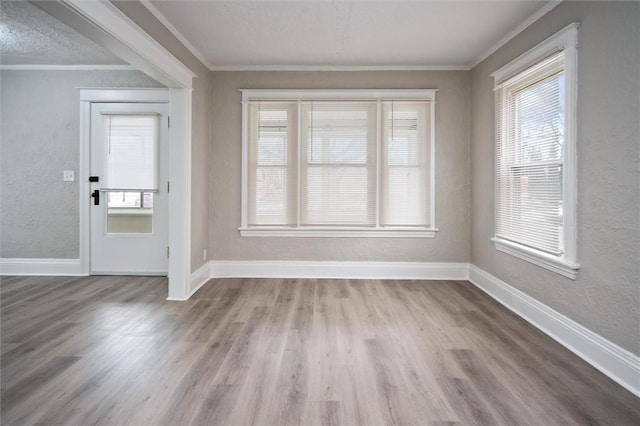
{"x":617,"y":363}
{"x":547,"y":261}
{"x":148,"y":51}
{"x":517,"y":30}
{"x":564,"y":40}
{"x":177,"y":34}
{"x":180,"y":140}
{"x":339,"y":68}
{"x":124,"y":94}
{"x":332,"y":94}
{"x":308,"y":232}
{"x":198,"y":278}
{"x":55,"y":267}
{"x":68,"y":67}
{"x":339,"y":270}
{"x":322,"y":269}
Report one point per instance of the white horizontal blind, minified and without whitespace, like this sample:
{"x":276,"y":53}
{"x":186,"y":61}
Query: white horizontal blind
{"x":338,"y":170}
{"x":272,"y":163}
{"x":130,"y":160}
{"x":405,"y":183}
{"x":530,"y":157}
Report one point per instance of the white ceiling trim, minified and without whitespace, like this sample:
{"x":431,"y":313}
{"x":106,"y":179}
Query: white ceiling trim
{"x":177,"y":34}
{"x":340,"y":68}
{"x":67,"y":67}
{"x":517,"y":30}
{"x":137,"y":47}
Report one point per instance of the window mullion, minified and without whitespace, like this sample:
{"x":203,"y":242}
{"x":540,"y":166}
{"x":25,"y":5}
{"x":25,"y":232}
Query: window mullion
{"x":432,"y":164}
{"x":378,"y":160}
{"x":299,"y":160}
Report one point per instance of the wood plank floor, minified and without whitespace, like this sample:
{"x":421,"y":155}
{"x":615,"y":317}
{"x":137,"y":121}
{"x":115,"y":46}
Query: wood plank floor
{"x":113,"y":351}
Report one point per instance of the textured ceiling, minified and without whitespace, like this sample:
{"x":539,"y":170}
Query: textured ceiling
{"x":30,"y":36}
{"x":253,"y":33}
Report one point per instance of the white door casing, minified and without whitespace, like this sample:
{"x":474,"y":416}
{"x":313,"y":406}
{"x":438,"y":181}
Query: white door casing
{"x":179,"y":175}
{"x":135,"y":239}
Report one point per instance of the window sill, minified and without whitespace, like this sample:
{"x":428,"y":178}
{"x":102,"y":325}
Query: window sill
{"x":339,"y":232}
{"x":547,"y":261}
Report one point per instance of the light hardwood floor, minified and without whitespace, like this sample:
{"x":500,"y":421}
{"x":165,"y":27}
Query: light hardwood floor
{"x":111,"y":350}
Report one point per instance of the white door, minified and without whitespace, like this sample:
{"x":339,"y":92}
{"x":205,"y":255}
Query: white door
{"x":129,"y":188}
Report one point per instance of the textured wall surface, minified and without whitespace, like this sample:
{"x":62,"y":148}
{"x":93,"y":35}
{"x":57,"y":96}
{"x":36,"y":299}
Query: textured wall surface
{"x":452,"y":170}
{"x":40,"y":139}
{"x":606,"y":295}
{"x":32,"y":36}
{"x":200,"y":147}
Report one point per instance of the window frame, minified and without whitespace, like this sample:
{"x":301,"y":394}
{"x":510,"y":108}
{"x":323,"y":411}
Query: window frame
{"x":299,"y":96}
{"x":566,"y":40}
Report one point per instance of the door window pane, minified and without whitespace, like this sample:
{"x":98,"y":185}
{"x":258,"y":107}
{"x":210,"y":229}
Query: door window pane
{"x":129,"y":212}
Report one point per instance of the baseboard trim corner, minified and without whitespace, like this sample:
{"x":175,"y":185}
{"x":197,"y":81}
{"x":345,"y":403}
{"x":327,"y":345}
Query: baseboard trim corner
{"x":54,"y":267}
{"x":617,"y":363}
{"x":199,"y":277}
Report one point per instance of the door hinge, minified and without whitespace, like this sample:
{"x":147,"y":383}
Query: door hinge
{"x":167,"y":252}
{"x":168,"y":121}
{"x":168,"y":187}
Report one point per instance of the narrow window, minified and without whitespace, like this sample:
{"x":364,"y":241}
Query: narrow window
{"x":535,"y":158}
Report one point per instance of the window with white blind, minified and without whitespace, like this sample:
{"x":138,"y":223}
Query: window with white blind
{"x":338,"y":163}
{"x":130,"y":160}
{"x":535,"y":186}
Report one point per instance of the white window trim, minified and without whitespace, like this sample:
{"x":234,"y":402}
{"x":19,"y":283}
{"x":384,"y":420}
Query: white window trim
{"x":264,"y":231}
{"x":377,"y":95}
{"x":565,"y":40}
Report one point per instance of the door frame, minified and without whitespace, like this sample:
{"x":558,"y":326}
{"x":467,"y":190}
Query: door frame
{"x":88,"y":97}
{"x":179,"y":176}
{"x":102,"y":96}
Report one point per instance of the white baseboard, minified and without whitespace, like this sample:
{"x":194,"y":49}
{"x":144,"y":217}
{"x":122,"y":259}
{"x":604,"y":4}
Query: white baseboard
{"x":336,"y":270}
{"x":617,"y":363}
{"x":339,"y":270}
{"x":61,"y":267}
{"x":199,"y":278}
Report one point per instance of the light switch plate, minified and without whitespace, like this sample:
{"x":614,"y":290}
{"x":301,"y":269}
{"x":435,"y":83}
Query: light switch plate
{"x":69,"y":176}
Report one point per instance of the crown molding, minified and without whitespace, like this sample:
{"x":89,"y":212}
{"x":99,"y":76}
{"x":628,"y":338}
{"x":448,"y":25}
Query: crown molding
{"x":517,"y":30}
{"x":177,"y":34}
{"x":340,"y":68}
{"x":126,"y":38}
{"x":42,"y":67}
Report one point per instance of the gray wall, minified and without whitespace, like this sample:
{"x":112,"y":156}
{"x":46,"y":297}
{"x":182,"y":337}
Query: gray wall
{"x":606,"y":295}
{"x":200,"y":148}
{"x":39,"y":139}
{"x":451,"y":243}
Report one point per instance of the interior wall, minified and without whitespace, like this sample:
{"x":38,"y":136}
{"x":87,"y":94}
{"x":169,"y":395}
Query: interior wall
{"x":200,"y":147}
{"x":605,"y":297}
{"x":451,"y":243}
{"x":39,"y":213}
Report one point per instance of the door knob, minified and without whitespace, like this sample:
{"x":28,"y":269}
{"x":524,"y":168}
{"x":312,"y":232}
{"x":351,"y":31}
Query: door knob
{"x":96,"y":197}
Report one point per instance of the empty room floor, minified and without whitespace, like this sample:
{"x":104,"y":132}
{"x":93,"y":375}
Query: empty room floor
{"x":112,"y":350}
